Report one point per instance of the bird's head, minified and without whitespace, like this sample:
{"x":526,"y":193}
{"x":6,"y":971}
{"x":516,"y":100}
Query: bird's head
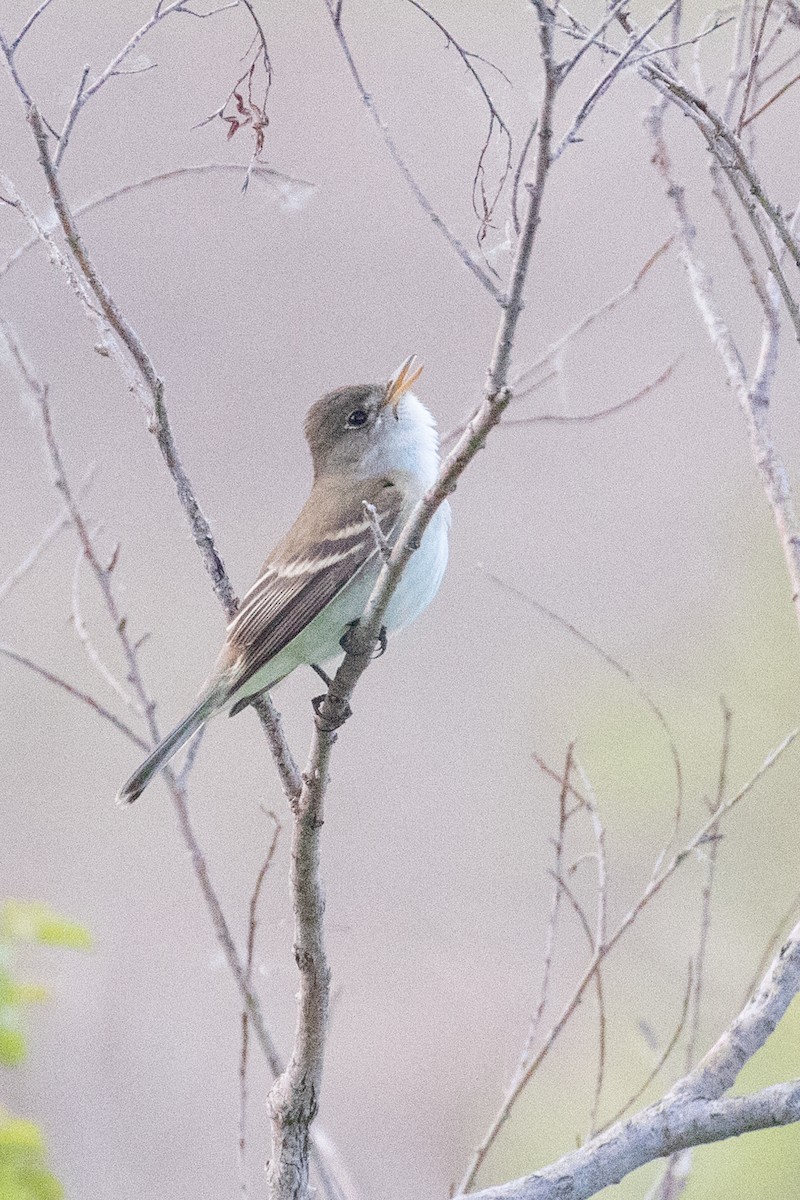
{"x":373,"y":427}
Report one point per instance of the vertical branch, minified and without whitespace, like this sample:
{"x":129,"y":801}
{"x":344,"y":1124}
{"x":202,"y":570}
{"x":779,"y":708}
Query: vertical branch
{"x":335,"y":13}
{"x":754,"y":400}
{"x":677,"y":1171}
{"x":555,"y":906}
{"x":159,"y":424}
{"x":243,"y":1057}
{"x":294,"y":1098}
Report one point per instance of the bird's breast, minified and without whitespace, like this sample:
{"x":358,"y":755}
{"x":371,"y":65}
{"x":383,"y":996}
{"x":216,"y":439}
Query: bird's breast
{"x":423,"y":575}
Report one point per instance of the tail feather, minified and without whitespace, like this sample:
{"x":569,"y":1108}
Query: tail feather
{"x":164,"y":751}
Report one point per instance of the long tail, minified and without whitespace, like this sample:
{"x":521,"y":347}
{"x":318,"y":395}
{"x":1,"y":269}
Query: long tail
{"x":164,"y":751}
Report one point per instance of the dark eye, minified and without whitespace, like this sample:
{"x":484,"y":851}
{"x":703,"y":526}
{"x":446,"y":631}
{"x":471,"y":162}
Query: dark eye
{"x":357,"y":417}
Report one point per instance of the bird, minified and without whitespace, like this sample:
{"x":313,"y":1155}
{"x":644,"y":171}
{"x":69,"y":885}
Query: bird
{"x":371,"y":445}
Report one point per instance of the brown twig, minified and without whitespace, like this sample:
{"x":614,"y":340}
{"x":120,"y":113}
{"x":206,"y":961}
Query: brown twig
{"x":616,"y":665}
{"x":57,"y":526}
{"x":334,"y":11}
{"x":768,"y":103}
{"x":77,"y":694}
{"x":662,"y":1059}
{"x":600,"y":414}
{"x":483,"y":205}
{"x":753,"y":397}
{"x":284,"y":184}
{"x":252,"y":925}
{"x":754,"y":60}
{"x":555,"y":906}
{"x":521,"y":378}
{"x":678,"y":1168}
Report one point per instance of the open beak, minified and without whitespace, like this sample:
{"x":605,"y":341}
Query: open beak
{"x":404,"y":377}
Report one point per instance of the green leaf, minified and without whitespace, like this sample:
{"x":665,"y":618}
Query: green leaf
{"x":25,"y":993}
{"x":31,"y":921}
{"x":23,"y":1172}
{"x":17,"y":1135}
{"x":12,"y":1048}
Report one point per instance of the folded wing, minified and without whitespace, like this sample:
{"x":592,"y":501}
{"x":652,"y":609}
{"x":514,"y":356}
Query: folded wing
{"x":330,"y":543}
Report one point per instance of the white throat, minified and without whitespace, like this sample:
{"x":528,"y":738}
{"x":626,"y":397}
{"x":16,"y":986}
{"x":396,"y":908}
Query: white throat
{"x":409,"y":443}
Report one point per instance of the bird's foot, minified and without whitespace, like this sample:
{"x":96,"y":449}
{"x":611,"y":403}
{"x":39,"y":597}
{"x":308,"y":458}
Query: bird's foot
{"x":324,"y":676}
{"x":347,"y":641}
{"x":337,"y":712}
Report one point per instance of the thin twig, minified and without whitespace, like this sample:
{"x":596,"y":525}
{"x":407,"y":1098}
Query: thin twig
{"x":77,"y":694}
{"x":600,"y":89}
{"x":72,"y":117}
{"x":616,"y":665}
{"x":768,"y":103}
{"x":83,"y":636}
{"x":600,"y":414}
{"x":751,"y":74}
{"x":60,"y":523}
{"x":679,"y":1166}
{"x":31,"y":19}
{"x":600,"y":934}
{"x":753,"y":399}
{"x":520,"y":380}
{"x":662,"y":1059}
{"x":284,"y":184}
{"x":252,"y":925}
{"x":652,"y":889}
{"x":483,"y":206}
{"x":555,"y":906}
{"x":369,"y":103}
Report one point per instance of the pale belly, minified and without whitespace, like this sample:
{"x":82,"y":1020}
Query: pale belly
{"x":319,"y":641}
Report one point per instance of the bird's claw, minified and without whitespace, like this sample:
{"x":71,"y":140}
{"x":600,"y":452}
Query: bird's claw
{"x":330,"y":721}
{"x":346,"y":641}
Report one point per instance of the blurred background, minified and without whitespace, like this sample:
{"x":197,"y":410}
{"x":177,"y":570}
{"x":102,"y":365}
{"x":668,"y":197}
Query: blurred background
{"x":647,"y":530}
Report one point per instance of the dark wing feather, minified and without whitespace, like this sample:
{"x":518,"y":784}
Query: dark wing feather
{"x":329,"y":543}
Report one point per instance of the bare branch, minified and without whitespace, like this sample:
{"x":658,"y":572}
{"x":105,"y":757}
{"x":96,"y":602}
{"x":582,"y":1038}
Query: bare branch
{"x":334,"y":11}
{"x":654,"y":1133}
{"x":692,"y":1112}
{"x":592,"y":38}
{"x":600,"y":414}
{"x":482,"y":205}
{"x":654,"y":886}
{"x":663,"y":1057}
{"x":600,"y":932}
{"x":72,"y":117}
{"x":521,"y":380}
{"x":555,"y":905}
{"x":88,"y":645}
{"x":605,"y":83}
{"x":30,"y":21}
{"x":679,"y":1166}
{"x":60,"y":523}
{"x":768,"y":103}
{"x":77,"y":694}
{"x":751,"y":74}
{"x":251,"y":942}
{"x":753,"y":400}
{"x":285,"y":185}
{"x":620,"y":668}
